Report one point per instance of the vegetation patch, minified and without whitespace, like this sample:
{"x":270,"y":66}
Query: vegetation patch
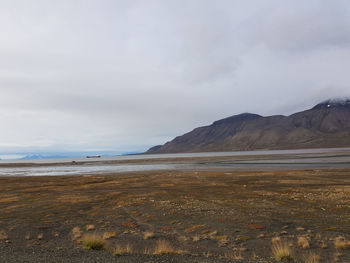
{"x":3,"y":235}
{"x":148,"y":234}
{"x":76,"y":232}
{"x":108,"y":235}
{"x":123,"y":250}
{"x":341,"y":243}
{"x":93,"y":241}
{"x":90,"y":227}
{"x":281,"y":250}
{"x":243,"y":238}
{"x":193,"y":228}
{"x":164,"y":247}
{"x":130,"y":224}
{"x":312,"y":258}
{"x":256,"y":226}
{"x":303,"y":242}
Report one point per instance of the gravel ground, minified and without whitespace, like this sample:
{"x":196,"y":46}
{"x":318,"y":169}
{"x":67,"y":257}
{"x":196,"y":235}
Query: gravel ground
{"x":11,"y":254}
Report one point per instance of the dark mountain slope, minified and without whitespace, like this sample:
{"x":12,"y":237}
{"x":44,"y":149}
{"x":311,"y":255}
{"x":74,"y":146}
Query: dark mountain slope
{"x":325,"y":125}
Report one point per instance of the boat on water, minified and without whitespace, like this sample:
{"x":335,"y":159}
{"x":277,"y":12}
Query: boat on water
{"x":93,"y":156}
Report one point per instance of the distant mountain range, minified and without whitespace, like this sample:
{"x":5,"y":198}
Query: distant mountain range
{"x":38,"y":156}
{"x":325,"y":125}
{"x":58,"y":155}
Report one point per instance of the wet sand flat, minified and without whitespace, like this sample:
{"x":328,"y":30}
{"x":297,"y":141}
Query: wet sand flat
{"x":243,"y":161}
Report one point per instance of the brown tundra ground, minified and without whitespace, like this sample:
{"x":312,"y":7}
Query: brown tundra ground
{"x":177,"y":216}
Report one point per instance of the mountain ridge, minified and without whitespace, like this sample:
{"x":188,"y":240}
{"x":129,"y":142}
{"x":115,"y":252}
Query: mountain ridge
{"x":325,"y":125}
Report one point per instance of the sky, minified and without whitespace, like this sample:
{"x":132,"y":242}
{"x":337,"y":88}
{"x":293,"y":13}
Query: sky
{"x":113,"y":75}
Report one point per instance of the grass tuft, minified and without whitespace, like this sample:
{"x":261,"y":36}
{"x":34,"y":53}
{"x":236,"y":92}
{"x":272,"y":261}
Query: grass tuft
{"x":281,"y":250}
{"x":164,"y":247}
{"x":148,"y":235}
{"x":196,"y":238}
{"x":76,"y":232}
{"x":93,"y":241}
{"x":341,"y":243}
{"x":222,"y":240}
{"x":303,"y":242}
{"x":3,"y":235}
{"x":312,"y":258}
{"x":123,"y":250}
{"x":90,"y":227}
{"x":234,"y":255}
{"x":109,"y":235}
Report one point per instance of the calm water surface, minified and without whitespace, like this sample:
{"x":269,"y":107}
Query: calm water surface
{"x":300,"y":159}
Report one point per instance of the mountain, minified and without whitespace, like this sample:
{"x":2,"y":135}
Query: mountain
{"x":38,"y":157}
{"x":325,"y":125}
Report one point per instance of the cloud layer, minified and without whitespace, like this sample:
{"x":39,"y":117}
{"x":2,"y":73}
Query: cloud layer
{"x":125,"y":75}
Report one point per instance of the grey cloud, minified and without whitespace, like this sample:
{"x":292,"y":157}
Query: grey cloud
{"x":307,"y":26}
{"x":126,"y":75}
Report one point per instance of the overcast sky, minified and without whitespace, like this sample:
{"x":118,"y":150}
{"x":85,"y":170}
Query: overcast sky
{"x":126,"y":75}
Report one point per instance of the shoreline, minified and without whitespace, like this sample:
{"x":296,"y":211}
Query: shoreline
{"x":243,"y":163}
{"x":180,"y":156}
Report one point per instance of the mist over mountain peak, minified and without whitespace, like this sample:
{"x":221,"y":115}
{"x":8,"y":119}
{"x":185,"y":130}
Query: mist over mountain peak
{"x":334,"y":102}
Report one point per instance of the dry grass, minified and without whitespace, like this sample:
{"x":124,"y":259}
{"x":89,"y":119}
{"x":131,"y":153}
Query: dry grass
{"x":254,"y":256}
{"x":9,"y":199}
{"x":281,"y":250}
{"x":76,"y":232}
{"x":341,"y":243}
{"x":312,"y":258}
{"x":182,"y":238}
{"x":148,"y":251}
{"x":324,"y":245}
{"x":90,"y":227}
{"x":108,"y":235}
{"x":337,"y":256}
{"x":275,"y":240}
{"x":164,"y":247}
{"x":148,"y":234}
{"x":222,"y":240}
{"x":235,"y":255}
{"x":193,"y":228}
{"x":123,"y":250}
{"x":207,"y":254}
{"x":130,"y":224}
{"x":196,"y":238}
{"x":303,"y":242}
{"x":73,"y":198}
{"x":3,"y":235}
{"x":93,"y":241}
{"x":213,"y":234}
{"x":318,"y":236}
